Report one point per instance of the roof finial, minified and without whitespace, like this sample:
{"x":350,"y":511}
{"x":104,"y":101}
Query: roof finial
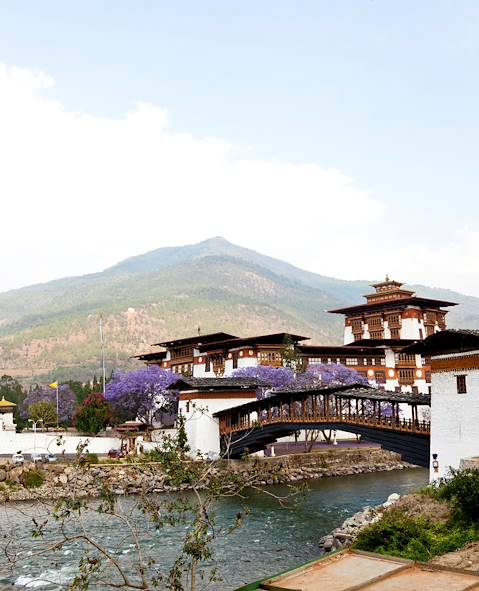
{"x":199,"y":330}
{"x":387,"y":277}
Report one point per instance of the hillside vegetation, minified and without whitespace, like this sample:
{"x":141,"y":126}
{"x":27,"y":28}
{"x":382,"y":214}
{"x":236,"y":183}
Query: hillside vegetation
{"x":51,"y":329}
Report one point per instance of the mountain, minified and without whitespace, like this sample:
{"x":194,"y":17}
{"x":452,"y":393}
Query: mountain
{"x":51,"y":329}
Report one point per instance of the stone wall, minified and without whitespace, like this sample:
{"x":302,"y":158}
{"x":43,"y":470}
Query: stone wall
{"x":67,"y":480}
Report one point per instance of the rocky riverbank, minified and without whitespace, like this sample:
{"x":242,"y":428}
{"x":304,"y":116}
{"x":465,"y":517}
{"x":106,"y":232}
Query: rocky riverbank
{"x":346,"y":534}
{"x":53,"y":481}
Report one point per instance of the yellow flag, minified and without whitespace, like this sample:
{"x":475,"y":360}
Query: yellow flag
{"x":54,"y":385}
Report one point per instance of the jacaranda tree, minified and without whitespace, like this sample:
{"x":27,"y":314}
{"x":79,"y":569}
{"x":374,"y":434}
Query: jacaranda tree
{"x":273,"y":377}
{"x":279,"y":378}
{"x":66,"y":401}
{"x":326,"y":375}
{"x":142,"y":394}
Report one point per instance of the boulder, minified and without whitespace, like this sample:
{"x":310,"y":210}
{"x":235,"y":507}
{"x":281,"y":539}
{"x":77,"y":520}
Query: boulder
{"x":3,"y":475}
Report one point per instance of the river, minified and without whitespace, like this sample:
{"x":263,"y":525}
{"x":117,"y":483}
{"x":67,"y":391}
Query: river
{"x":271,"y":540}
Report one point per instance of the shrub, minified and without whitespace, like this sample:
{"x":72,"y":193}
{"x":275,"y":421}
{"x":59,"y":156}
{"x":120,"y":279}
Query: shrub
{"x":415,"y":539}
{"x":33,"y":478}
{"x":461,"y":490}
{"x":93,"y":415}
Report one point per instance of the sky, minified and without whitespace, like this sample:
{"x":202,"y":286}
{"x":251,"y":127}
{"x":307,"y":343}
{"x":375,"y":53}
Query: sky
{"x":342,"y":137}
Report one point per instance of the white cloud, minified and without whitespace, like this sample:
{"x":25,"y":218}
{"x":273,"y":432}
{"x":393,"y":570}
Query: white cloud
{"x":80,"y":193}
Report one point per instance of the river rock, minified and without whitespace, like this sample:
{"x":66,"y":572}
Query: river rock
{"x":393,"y":498}
{"x":3,"y":475}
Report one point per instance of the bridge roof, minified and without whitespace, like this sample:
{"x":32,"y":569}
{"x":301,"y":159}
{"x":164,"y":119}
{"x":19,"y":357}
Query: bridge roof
{"x":343,"y":391}
{"x":385,"y":396}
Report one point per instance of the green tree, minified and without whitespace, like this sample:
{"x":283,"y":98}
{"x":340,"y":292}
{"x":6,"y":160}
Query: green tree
{"x":43,"y":411}
{"x":93,"y":415}
{"x":13,"y":391}
{"x":290,"y":355}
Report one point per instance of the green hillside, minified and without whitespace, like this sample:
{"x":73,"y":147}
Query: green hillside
{"x":51,"y":329}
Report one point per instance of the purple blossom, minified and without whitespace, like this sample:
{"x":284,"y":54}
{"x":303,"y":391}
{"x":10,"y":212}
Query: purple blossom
{"x":275,"y":377}
{"x":66,"y":401}
{"x":326,"y":375}
{"x":142,"y":394}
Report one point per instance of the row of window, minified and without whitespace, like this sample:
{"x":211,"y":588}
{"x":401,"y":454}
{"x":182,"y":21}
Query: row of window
{"x":182,"y":352}
{"x":347,"y":361}
{"x":184,"y":369}
{"x":405,"y":358}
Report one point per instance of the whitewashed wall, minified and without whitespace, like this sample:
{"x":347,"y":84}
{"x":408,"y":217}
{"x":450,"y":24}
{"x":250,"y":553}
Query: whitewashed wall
{"x":454,"y":419}
{"x":11,"y":442}
{"x":202,"y":429}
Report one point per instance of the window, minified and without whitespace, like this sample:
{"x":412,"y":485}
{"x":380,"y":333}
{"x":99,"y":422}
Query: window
{"x":421,"y":334}
{"x":182,"y":352}
{"x":429,"y":330}
{"x":377,"y":334}
{"x":406,"y":376}
{"x":393,"y":321}
{"x":219,"y":365}
{"x":380,"y":377}
{"x":351,"y":361}
{"x":357,"y":325}
{"x":207,"y":364}
{"x":270,"y":358}
{"x":235,"y":359}
{"x":375,"y":322}
{"x":383,"y":360}
{"x":395,"y":333}
{"x":428,"y":376}
{"x":406,"y":359}
{"x":314,"y":361}
{"x":461,"y":384}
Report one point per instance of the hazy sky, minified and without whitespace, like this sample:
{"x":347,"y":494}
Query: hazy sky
{"x":340,"y":136}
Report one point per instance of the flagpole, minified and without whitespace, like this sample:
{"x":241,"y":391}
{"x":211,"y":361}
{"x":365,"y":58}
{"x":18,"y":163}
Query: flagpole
{"x":102,"y":354}
{"x":57,"y":405}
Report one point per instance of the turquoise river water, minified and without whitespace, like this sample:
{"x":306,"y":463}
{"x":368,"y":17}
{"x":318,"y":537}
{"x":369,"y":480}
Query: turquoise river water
{"x":271,"y":540}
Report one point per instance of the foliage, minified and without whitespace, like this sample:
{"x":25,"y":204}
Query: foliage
{"x":94,"y":415}
{"x":326,"y":375}
{"x":33,"y":478}
{"x":284,"y":377}
{"x":461,"y":489}
{"x":43,"y":411}
{"x":66,"y":401}
{"x":291,"y":356}
{"x":11,"y":389}
{"x":417,"y":539}
{"x":273,"y":377}
{"x":142,"y":394}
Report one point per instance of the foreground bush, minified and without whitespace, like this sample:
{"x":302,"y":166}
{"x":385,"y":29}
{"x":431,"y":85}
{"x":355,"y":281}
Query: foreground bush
{"x":33,"y":478}
{"x":461,"y":490}
{"x":416,"y":539}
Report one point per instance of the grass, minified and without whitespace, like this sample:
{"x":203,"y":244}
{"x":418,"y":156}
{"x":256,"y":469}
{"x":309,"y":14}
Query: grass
{"x":420,"y":539}
{"x":33,"y":478}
